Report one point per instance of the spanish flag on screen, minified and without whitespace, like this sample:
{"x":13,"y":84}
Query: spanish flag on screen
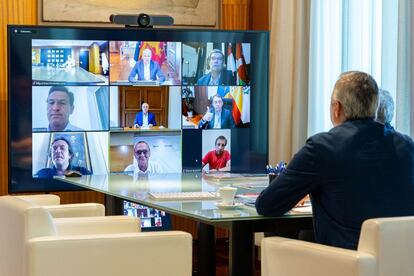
{"x":157,"y":49}
{"x":240,"y":96}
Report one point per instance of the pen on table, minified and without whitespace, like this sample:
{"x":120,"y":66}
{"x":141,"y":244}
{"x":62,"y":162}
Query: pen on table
{"x":275,"y":171}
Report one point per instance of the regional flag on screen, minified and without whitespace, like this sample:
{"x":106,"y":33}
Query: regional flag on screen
{"x":242,"y":63}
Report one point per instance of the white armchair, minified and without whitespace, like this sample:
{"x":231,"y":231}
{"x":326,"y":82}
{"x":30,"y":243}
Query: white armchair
{"x":32,"y":243}
{"x":386,"y":248}
{"x":52,"y":204}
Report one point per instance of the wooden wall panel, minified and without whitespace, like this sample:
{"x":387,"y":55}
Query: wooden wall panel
{"x":245,"y":15}
{"x":81,"y":197}
{"x":235,"y":14}
{"x":259,"y":15}
{"x":11,"y":12}
{"x":132,"y":97}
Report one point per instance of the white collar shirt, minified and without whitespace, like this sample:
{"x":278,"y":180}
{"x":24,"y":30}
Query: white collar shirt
{"x":144,"y":120}
{"x":147,"y":75}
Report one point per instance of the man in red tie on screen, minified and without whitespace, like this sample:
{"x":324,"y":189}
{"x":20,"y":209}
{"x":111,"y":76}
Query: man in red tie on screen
{"x":219,"y":158}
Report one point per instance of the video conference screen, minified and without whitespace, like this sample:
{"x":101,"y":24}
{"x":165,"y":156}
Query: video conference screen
{"x":151,"y":219}
{"x":135,"y":101}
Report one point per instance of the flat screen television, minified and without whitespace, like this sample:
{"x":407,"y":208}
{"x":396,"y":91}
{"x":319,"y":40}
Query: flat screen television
{"x":136,"y":101}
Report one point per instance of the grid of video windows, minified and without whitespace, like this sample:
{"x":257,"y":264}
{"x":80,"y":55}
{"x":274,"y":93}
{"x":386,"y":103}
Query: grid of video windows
{"x":137,"y":106}
{"x":149,"y":217}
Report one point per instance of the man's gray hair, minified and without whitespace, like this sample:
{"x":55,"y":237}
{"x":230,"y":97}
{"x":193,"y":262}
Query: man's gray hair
{"x":358,"y":94}
{"x":386,"y":107}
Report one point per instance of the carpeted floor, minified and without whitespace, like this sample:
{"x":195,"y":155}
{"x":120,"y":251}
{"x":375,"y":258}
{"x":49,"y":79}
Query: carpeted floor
{"x":222,"y":258}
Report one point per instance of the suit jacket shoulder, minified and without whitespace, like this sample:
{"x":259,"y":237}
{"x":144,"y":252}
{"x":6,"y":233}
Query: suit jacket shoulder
{"x":226,"y":78}
{"x":204,"y":80}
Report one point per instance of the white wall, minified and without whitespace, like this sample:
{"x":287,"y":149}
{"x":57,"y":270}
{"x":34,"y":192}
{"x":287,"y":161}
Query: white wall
{"x":174,"y":107}
{"x":114,"y":107}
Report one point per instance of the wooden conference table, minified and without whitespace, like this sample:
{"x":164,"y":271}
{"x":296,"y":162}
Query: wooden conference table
{"x":242,"y":222}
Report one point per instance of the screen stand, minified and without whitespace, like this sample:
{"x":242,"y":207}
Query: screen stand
{"x":113,"y":206}
{"x":206,"y":250}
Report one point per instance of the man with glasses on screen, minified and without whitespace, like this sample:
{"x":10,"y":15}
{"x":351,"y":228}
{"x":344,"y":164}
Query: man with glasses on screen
{"x":219,"y":158}
{"x":142,"y":154}
{"x":218,"y":74}
{"x":61,"y":154}
{"x":60,"y":105}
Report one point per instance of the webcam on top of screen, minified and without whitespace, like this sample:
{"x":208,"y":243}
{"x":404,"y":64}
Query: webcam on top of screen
{"x":141,"y":20}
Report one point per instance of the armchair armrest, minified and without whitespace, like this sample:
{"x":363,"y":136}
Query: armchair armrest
{"x":281,"y":256}
{"x":76,"y":210}
{"x":150,"y":253}
{"x":97,"y":225}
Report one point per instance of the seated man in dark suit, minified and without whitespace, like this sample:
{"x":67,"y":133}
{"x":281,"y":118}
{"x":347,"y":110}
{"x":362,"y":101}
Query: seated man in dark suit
{"x":218,"y":75}
{"x":217,"y":117}
{"x":146,"y":69}
{"x":360,"y":169}
{"x":145,"y":118}
{"x":61,"y":154}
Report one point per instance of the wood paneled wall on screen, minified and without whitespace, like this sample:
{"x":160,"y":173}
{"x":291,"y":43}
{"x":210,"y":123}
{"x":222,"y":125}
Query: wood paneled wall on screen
{"x":132,"y":97}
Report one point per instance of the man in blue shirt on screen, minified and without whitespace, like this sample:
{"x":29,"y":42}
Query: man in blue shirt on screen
{"x":60,"y":105}
{"x":144,"y":118}
{"x":360,"y":169}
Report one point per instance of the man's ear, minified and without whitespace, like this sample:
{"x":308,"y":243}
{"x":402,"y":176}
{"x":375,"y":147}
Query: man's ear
{"x":337,"y":109}
{"x":71,"y":109}
{"x":338,"y":115}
